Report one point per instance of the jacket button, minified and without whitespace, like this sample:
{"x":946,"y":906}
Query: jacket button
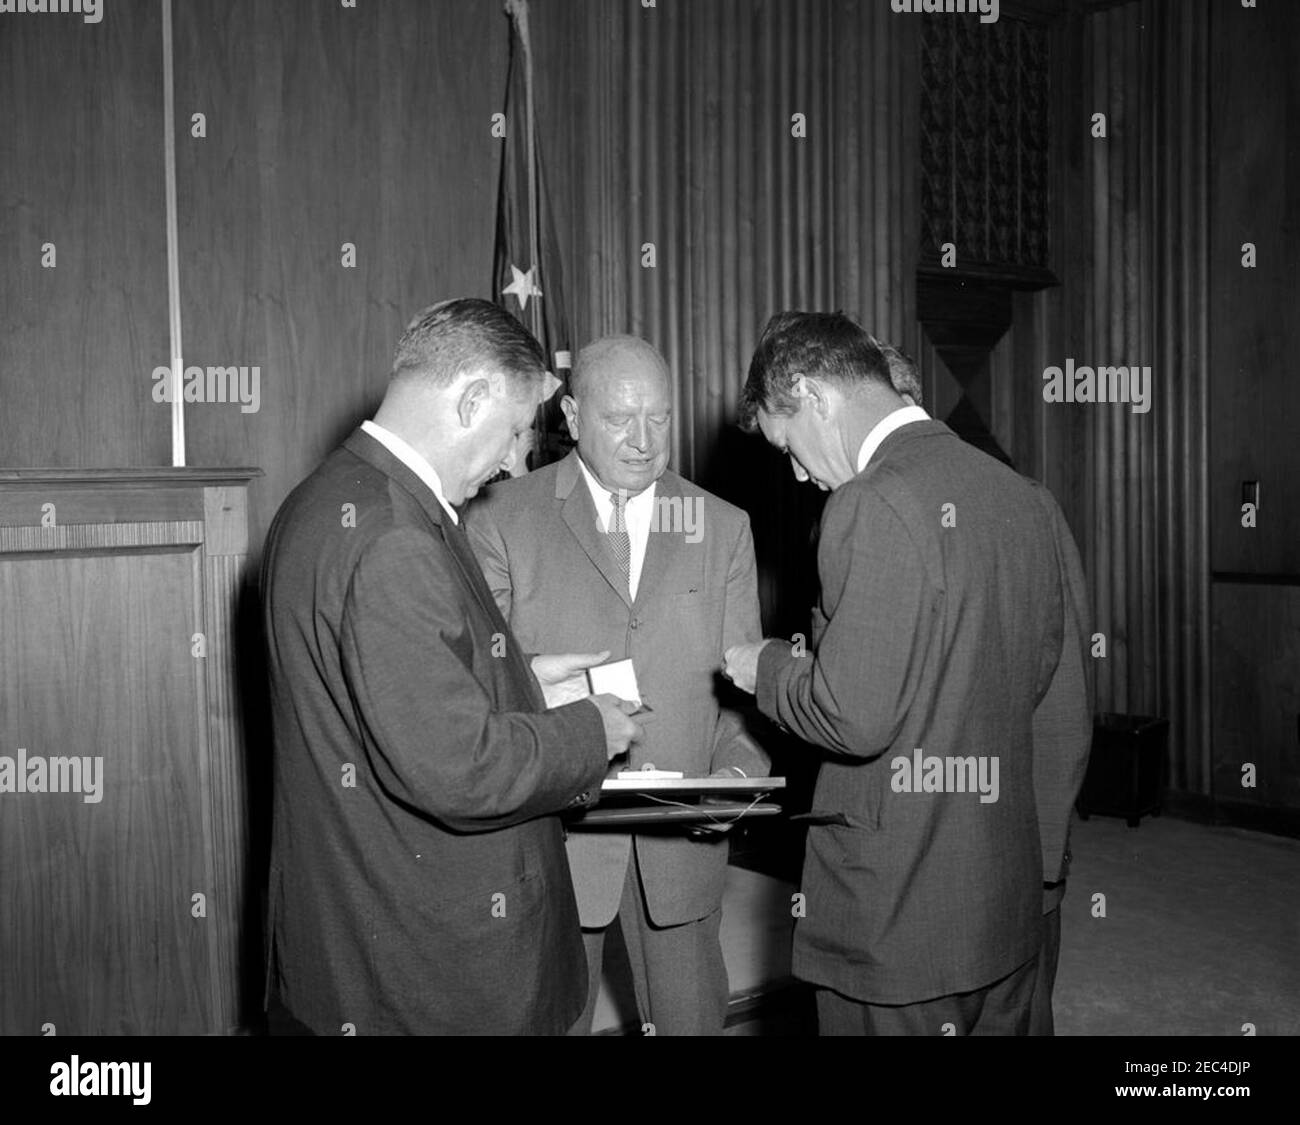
{"x":633,"y":623}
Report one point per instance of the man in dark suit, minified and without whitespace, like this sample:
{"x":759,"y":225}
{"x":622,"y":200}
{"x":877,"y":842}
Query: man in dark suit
{"x":946,"y":684}
{"x":418,"y":879}
{"x":609,"y":550}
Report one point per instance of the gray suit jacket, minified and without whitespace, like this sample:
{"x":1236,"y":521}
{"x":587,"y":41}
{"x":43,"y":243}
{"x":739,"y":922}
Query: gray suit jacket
{"x":546,"y":559}
{"x":956,"y":630}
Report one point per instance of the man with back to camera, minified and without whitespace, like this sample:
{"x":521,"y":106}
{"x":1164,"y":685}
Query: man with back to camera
{"x":607,"y":549}
{"x":947,"y":686}
{"x":418,"y":879}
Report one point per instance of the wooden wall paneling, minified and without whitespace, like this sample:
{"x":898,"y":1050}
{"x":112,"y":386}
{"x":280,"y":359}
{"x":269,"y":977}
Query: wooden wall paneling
{"x":1256,"y":703}
{"x":326,"y":125}
{"x":235,"y":906}
{"x":81,"y":167}
{"x":1254,"y":332}
{"x":1252,"y":335}
{"x":97,"y":659}
{"x":100,"y":939}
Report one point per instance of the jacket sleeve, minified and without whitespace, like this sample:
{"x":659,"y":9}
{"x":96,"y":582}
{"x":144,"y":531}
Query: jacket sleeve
{"x":1062,"y":725}
{"x":851,"y":694}
{"x":732,"y":743}
{"x":434,"y":740}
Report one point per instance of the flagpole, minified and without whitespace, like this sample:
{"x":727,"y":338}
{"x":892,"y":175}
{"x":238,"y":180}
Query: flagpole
{"x":518,"y":11}
{"x":173,"y":240}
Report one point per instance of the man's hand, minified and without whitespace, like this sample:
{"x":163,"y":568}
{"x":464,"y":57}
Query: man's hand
{"x":741,"y":665}
{"x":561,"y":676}
{"x":620,"y":731}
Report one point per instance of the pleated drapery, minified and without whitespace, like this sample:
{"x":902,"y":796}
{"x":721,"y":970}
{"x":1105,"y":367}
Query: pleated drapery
{"x":1146,"y":189}
{"x":728,"y":160}
{"x":686,"y":123}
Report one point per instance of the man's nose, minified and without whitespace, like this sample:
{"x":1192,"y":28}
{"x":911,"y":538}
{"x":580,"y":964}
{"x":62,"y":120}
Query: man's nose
{"x":640,"y":436}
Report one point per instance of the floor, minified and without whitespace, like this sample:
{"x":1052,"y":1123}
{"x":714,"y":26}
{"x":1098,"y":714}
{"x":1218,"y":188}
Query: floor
{"x":1200,"y":936}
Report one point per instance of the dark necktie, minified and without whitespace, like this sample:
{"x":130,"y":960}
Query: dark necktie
{"x":619,"y":542}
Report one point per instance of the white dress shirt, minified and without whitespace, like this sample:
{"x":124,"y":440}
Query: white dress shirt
{"x":903,"y":416}
{"x":413,"y":461}
{"x":638,"y":513}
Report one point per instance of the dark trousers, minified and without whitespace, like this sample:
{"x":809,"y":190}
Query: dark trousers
{"x":1001,"y":1008}
{"x":281,"y":1021}
{"x":677,"y":971}
{"x":1040,"y":1015}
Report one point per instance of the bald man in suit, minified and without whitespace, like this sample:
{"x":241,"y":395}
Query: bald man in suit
{"x":609,"y":550}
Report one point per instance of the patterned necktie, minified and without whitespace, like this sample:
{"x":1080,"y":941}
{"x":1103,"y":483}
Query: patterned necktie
{"x":619,"y":542}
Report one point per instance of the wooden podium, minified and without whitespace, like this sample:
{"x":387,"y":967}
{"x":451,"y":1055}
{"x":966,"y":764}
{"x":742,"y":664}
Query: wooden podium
{"x":122,"y":909}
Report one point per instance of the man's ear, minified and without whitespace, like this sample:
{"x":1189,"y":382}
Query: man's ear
{"x":474,"y":398}
{"x":810,"y":392}
{"x":569,"y":407}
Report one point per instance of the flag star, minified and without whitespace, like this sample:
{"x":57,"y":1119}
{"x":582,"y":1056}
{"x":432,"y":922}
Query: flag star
{"x":523,"y":286}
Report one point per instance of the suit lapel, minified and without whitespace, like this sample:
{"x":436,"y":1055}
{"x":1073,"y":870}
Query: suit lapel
{"x":453,"y":535}
{"x":664,"y":544}
{"x":579,"y":512}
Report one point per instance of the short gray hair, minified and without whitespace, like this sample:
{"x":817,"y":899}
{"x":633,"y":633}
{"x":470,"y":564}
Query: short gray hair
{"x":902,"y":371}
{"x":468,"y":334}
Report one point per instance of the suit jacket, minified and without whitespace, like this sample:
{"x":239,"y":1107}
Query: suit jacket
{"x":961,"y":640}
{"x":418,"y":883}
{"x":546,"y":557}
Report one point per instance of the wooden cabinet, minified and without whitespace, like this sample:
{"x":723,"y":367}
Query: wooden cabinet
{"x":123,"y":810}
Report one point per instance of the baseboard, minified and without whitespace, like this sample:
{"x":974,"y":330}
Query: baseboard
{"x":1203,"y":809}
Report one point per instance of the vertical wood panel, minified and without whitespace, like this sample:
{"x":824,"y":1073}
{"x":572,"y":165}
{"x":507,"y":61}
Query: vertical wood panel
{"x":326,"y":125}
{"x":99,"y":938}
{"x":1256,"y":644}
{"x":1255,"y":396}
{"x":81,"y":167}
{"x":1253,"y":337}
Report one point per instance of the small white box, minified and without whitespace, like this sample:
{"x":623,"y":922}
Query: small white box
{"x":616,"y":678}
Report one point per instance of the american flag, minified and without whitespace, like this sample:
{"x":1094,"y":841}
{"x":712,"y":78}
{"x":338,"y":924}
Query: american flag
{"x":527,"y":278}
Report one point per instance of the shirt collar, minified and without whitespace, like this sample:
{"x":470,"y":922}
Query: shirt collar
{"x":903,"y":416}
{"x":600,"y":494}
{"x":413,"y":461}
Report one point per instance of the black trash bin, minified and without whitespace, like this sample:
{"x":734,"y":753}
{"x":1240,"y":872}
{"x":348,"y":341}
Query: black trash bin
{"x":1126,"y":771}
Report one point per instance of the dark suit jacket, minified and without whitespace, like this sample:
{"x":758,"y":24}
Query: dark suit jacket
{"x":547,"y":560}
{"x":418,"y":884}
{"x":963,"y":641}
